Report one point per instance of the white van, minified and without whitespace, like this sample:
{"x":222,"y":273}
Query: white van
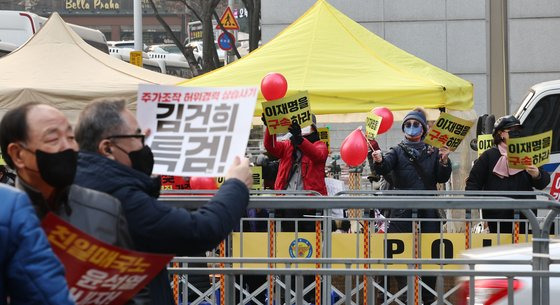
{"x":17,"y":27}
{"x":540,"y":112}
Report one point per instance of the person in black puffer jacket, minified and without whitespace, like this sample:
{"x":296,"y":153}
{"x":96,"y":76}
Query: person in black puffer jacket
{"x":434,"y":167}
{"x":491,"y":172}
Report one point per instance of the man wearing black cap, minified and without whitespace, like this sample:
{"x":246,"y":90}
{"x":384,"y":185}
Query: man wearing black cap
{"x":491,"y":172}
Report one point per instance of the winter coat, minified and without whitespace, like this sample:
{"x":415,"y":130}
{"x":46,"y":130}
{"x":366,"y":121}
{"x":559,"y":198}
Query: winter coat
{"x":96,"y":213}
{"x":314,"y":156}
{"x":482,"y":177}
{"x":30,"y":271}
{"x":156,"y":227}
{"x":406,"y":177}
{"x":405,"y":174}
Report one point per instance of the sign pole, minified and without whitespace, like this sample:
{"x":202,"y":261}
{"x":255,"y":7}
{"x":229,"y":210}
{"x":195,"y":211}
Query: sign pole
{"x":138,"y":25}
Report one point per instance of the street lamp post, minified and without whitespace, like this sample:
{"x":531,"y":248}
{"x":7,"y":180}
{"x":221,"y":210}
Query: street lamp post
{"x":138,"y":44}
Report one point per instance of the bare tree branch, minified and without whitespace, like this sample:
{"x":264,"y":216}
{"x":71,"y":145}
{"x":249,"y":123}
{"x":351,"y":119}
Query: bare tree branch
{"x":187,"y":52}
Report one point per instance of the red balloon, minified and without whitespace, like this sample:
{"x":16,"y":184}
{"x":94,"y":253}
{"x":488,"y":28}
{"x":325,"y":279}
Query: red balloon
{"x":354,"y":148}
{"x":274,"y":86}
{"x":203,"y":183}
{"x":387,"y":116}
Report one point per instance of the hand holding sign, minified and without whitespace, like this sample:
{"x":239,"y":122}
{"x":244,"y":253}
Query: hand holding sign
{"x":444,"y":154}
{"x":240,"y":170}
{"x":274,"y":86}
{"x":533,"y":171}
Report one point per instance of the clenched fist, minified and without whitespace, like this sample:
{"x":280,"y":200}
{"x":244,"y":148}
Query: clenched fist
{"x":377,"y":156}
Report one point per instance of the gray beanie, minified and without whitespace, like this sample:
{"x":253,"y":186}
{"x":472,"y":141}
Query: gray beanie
{"x":418,"y":116}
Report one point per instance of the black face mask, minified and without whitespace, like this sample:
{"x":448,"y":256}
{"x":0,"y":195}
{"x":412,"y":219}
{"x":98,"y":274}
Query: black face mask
{"x":57,"y":169}
{"x":142,"y":160}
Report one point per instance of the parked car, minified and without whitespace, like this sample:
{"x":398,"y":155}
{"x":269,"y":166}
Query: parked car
{"x":494,"y":291}
{"x":197,"y":50}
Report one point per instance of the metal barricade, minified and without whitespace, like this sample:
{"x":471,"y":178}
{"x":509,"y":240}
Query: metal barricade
{"x":413,"y":200}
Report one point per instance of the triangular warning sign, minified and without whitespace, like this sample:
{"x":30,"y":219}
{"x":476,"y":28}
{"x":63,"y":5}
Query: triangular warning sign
{"x":228,"y":21}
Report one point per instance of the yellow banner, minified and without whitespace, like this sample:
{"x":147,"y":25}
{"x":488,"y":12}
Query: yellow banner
{"x":279,"y":114}
{"x":484,"y":142}
{"x":257,"y":178}
{"x":324,"y":136}
{"x":527,"y":151}
{"x":397,"y":246}
{"x":373,"y":122}
{"x":448,"y":131}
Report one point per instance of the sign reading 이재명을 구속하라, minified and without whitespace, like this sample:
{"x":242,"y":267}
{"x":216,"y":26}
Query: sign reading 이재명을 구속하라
{"x":92,"y":4}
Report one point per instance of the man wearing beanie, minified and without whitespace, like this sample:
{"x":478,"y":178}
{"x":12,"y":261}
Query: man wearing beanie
{"x":415,"y":166}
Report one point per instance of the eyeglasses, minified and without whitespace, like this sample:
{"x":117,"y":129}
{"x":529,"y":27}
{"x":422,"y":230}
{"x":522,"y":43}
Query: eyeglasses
{"x":124,"y":136}
{"x":411,"y":124}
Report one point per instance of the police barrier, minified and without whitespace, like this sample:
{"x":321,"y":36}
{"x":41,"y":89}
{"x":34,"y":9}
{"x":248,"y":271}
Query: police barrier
{"x":413,"y":200}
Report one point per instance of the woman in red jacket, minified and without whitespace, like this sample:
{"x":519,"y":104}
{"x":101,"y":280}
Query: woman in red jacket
{"x":302,"y":162}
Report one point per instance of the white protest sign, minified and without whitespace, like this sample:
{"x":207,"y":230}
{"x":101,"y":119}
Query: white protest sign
{"x":196,"y":131}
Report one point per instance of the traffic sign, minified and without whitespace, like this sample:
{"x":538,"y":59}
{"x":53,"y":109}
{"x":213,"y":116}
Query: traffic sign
{"x":228,"y":21}
{"x":226,"y":41}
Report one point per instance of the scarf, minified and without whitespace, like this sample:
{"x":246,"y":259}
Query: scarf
{"x":501,"y":169}
{"x":415,"y":147}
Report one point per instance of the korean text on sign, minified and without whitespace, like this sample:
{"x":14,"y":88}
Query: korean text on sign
{"x":448,"y":131}
{"x":555,"y":188}
{"x":196,"y":131}
{"x":99,"y":273}
{"x":372,"y":125}
{"x":484,"y":142}
{"x":324,"y":136}
{"x":279,"y":114}
{"x":527,"y":151}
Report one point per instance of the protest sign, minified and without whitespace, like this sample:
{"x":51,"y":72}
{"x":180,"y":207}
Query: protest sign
{"x":324,"y":136}
{"x":96,"y":272}
{"x":257,"y":178}
{"x":484,"y":142}
{"x":448,"y":131}
{"x":279,"y":114}
{"x":373,"y":122}
{"x":196,"y":131}
{"x":173,"y":183}
{"x":527,"y":151}
{"x":555,"y":188}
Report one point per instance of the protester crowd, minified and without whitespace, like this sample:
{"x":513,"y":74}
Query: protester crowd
{"x":98,"y":178}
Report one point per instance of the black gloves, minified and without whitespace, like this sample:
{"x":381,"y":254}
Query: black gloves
{"x":295,"y":130}
{"x":263,"y":120}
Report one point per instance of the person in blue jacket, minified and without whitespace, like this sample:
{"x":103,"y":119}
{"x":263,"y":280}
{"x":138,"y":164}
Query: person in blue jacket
{"x":30,"y":272}
{"x":113,"y":159}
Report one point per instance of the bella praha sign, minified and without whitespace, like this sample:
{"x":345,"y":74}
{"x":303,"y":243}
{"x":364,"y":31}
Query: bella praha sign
{"x":92,"y":4}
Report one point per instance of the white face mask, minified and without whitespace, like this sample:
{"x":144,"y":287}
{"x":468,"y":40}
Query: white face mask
{"x":306,"y":130}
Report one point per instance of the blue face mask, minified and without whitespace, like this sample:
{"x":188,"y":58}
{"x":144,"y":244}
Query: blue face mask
{"x":413,"y":131}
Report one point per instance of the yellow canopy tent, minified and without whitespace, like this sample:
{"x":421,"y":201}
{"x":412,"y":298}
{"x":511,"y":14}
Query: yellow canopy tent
{"x":344,"y":67}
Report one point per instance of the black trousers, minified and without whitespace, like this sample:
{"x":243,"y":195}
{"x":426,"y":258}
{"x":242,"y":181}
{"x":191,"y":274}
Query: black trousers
{"x":406,"y":227}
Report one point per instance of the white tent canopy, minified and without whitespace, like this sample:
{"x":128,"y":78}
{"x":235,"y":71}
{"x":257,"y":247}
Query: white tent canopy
{"x":57,"y":67}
